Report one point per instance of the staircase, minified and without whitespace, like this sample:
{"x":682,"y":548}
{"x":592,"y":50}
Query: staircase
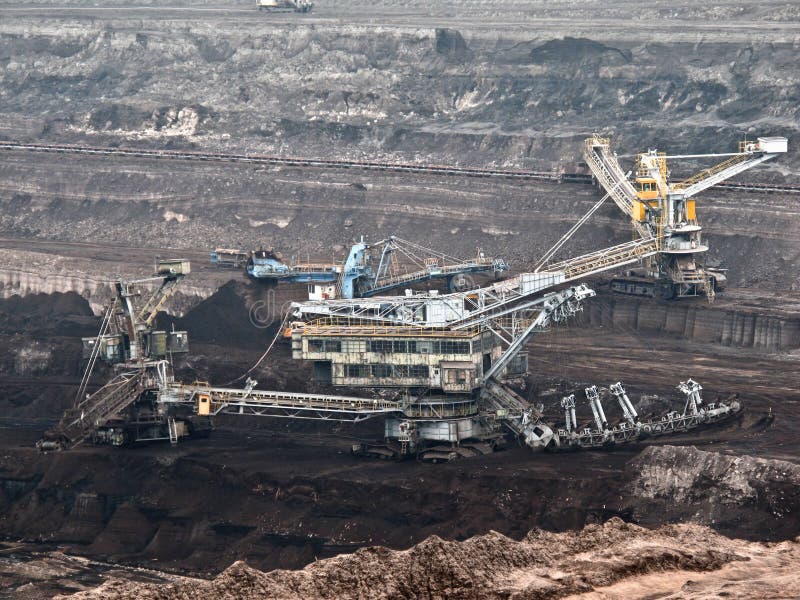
{"x":172,"y":427}
{"x":498,"y":396}
{"x":606,"y":169}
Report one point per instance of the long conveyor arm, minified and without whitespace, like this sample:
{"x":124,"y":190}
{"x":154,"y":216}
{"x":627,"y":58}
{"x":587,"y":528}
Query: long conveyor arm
{"x":209,"y":400}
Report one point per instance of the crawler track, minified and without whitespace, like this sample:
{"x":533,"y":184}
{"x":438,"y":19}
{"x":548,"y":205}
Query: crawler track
{"x":304,"y":162}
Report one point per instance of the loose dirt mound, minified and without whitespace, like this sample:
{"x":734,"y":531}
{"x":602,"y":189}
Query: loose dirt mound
{"x":40,"y":352}
{"x":543,"y":565}
{"x":45,"y":312}
{"x":225,"y":317}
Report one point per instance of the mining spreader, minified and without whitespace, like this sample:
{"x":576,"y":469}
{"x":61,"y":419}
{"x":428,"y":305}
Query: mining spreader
{"x":443,"y":361}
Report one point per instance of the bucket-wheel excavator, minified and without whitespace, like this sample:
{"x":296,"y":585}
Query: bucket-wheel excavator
{"x":444,"y":358}
{"x":446,"y":363}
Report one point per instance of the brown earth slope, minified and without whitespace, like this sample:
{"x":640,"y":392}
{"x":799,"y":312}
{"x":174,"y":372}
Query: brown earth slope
{"x":613,"y":560}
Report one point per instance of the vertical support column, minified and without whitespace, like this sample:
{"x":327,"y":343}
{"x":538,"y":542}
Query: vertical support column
{"x":597,"y":408}
{"x":568,"y":404}
{"x":628,"y":411}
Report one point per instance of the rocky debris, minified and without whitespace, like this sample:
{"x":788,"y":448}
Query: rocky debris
{"x":720,"y":490}
{"x":29,"y":573}
{"x":521,"y":96}
{"x":689,"y":559}
{"x":674,"y":472}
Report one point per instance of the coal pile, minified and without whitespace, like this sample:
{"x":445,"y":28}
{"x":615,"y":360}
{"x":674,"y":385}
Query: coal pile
{"x":63,"y":314}
{"x":228,"y":318}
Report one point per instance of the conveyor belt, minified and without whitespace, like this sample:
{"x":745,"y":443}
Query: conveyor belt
{"x":260,"y":159}
{"x":279,"y":403}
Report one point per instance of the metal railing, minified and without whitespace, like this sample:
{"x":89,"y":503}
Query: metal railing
{"x":608,"y":258}
{"x":281,"y":404}
{"x":608,"y":172}
{"x":479,"y":264}
{"x":339,"y":326}
{"x":710,"y":171}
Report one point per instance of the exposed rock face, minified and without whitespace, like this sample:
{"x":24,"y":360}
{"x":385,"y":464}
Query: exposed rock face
{"x":24,"y":283}
{"x":518,"y":95}
{"x":474,"y":82}
{"x":193,"y":206}
{"x":482,"y":82}
{"x":722,"y":490}
{"x":687,"y":560}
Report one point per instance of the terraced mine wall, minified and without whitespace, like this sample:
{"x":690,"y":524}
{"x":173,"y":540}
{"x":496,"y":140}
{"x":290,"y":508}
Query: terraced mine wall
{"x":523,"y":95}
{"x":494,"y":89}
{"x":178,"y":205}
{"x":98,"y":293}
{"x":696,"y":321}
{"x":15,"y":283}
{"x":473,"y":82}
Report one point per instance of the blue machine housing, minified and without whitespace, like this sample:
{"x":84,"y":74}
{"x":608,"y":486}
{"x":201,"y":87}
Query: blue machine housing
{"x":264,"y":264}
{"x":370,"y":269}
{"x":356,"y":267}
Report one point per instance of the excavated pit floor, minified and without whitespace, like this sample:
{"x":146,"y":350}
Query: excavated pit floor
{"x":282,"y":495}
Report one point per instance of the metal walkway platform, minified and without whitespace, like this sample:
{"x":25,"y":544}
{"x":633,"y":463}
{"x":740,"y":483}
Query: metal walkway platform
{"x":218,"y":400}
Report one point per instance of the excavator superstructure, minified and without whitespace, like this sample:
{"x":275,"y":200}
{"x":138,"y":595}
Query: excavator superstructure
{"x":370,"y":268}
{"x":127,"y":409}
{"x":664,"y":215}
